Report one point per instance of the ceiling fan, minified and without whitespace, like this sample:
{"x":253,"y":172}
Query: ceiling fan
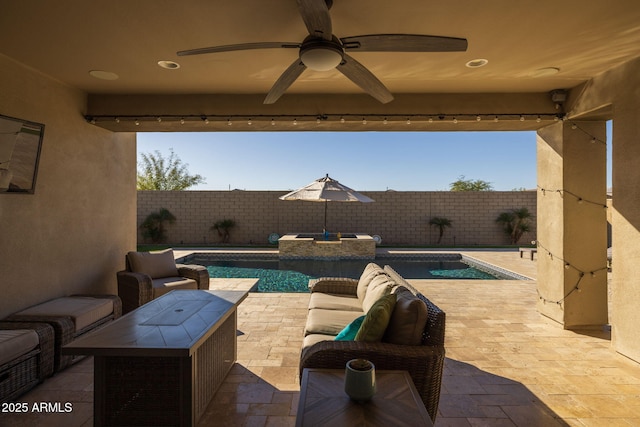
{"x":322,"y":51}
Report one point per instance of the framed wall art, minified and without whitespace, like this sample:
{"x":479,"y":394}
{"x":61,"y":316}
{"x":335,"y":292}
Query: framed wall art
{"x":20,"y":145}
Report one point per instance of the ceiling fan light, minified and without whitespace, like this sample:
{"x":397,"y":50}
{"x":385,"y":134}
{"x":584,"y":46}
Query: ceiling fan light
{"x":321,"y":58}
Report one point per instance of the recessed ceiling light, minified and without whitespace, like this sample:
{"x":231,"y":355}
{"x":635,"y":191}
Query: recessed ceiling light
{"x":476,"y":63}
{"x":544,"y":72}
{"x":103,"y":75}
{"x":169,"y":65}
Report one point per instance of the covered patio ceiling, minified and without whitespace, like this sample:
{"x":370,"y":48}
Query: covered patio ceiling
{"x":524,"y":42}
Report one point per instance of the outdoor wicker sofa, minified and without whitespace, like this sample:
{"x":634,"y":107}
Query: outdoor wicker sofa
{"x":70,"y":317}
{"x":26,"y":357}
{"x":413,"y":340}
{"x":148,"y":275}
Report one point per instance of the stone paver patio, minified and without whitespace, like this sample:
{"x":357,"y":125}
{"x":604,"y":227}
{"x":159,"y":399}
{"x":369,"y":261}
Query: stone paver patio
{"x":506,"y":364}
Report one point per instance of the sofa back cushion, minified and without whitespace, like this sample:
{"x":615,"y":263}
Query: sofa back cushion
{"x":155,"y":264}
{"x":370,"y":271}
{"x":380,"y":286}
{"x":408,"y":319}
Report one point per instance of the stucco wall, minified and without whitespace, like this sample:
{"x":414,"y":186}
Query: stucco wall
{"x":72,"y":234}
{"x":400,"y":218}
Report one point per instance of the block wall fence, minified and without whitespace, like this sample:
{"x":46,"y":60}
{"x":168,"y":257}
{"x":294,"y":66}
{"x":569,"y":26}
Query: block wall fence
{"x":399,"y":217}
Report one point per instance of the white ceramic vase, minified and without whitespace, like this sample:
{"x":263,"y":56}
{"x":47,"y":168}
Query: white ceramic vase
{"x":360,"y":380}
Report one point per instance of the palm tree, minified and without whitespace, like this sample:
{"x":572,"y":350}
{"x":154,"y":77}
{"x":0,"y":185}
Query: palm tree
{"x":515,"y":223}
{"x":153,"y":225}
{"x":441,"y":223}
{"x":223,"y":227}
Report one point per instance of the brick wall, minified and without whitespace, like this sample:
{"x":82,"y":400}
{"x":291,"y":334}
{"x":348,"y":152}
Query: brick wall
{"x":399,"y":217}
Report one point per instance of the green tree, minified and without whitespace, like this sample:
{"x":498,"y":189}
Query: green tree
{"x":441,"y":224}
{"x":515,"y":223}
{"x":153,"y":225}
{"x":470,"y":185}
{"x":159,"y":173}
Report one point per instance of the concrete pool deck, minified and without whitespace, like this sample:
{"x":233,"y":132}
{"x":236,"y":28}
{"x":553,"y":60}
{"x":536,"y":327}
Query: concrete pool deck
{"x":506,"y":364}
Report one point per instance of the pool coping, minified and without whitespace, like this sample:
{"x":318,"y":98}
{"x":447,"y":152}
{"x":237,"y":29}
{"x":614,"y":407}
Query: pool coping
{"x":444,"y":254}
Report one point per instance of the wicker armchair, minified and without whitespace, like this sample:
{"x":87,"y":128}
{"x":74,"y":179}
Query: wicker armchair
{"x":151,"y":274}
{"x":425,"y":362}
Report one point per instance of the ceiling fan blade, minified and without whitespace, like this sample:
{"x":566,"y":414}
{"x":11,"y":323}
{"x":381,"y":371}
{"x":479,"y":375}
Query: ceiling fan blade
{"x":243,"y":46}
{"x":284,"y":81}
{"x":403,"y":43}
{"x":357,"y":73}
{"x":315,"y":14}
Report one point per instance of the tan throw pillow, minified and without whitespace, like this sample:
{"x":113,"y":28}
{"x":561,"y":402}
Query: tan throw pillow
{"x":407,"y":320}
{"x":380,"y":286}
{"x":370,"y":271}
{"x":377,"y":319}
{"x":155,"y":264}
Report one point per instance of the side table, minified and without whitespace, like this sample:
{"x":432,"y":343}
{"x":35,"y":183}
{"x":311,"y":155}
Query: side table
{"x":324,"y":402}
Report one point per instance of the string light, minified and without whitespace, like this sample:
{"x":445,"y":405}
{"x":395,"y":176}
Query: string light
{"x":342,"y":118}
{"x":593,"y":138}
{"x":567,"y":266}
{"x":578,"y":198}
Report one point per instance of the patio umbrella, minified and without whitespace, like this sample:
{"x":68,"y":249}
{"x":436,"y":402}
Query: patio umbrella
{"x":326,"y":190}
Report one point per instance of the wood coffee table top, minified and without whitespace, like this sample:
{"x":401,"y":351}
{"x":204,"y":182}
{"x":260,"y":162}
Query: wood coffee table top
{"x":324,"y":402}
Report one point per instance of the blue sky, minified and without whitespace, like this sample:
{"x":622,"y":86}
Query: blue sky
{"x":365,"y":161}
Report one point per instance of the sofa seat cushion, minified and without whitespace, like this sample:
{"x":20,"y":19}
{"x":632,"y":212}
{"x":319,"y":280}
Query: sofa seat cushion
{"x":83,"y":310}
{"x":163,"y":285}
{"x":334,"y":302}
{"x":312,"y":339}
{"x":329,"y":322}
{"x":408,"y":319}
{"x":16,"y":342}
{"x":155,"y":264}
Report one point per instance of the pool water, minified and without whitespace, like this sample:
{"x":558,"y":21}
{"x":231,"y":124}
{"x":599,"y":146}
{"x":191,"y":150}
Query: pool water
{"x":293,"y":275}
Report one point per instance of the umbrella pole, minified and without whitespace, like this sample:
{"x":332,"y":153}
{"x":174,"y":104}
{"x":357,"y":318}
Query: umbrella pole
{"x":326,"y":202}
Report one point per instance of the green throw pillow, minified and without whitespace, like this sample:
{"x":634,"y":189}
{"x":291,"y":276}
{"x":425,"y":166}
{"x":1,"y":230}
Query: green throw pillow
{"x":377,"y":319}
{"x":349,"y":332}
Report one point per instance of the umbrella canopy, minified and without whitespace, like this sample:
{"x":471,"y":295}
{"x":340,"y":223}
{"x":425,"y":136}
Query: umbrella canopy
{"x":326,"y":190}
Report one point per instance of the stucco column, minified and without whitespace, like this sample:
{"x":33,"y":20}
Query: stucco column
{"x":625,"y":292}
{"x":572,"y":224}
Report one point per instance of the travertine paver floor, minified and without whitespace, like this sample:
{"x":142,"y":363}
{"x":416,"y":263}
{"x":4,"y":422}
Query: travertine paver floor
{"x":506,"y":364}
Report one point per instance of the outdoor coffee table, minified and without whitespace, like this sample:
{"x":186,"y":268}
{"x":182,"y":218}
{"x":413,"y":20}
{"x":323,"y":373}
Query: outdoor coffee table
{"x":324,"y":402}
{"x":162,"y":363}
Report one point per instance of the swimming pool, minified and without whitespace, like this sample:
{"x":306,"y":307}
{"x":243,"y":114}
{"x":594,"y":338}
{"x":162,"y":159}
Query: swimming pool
{"x":277,"y":275}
